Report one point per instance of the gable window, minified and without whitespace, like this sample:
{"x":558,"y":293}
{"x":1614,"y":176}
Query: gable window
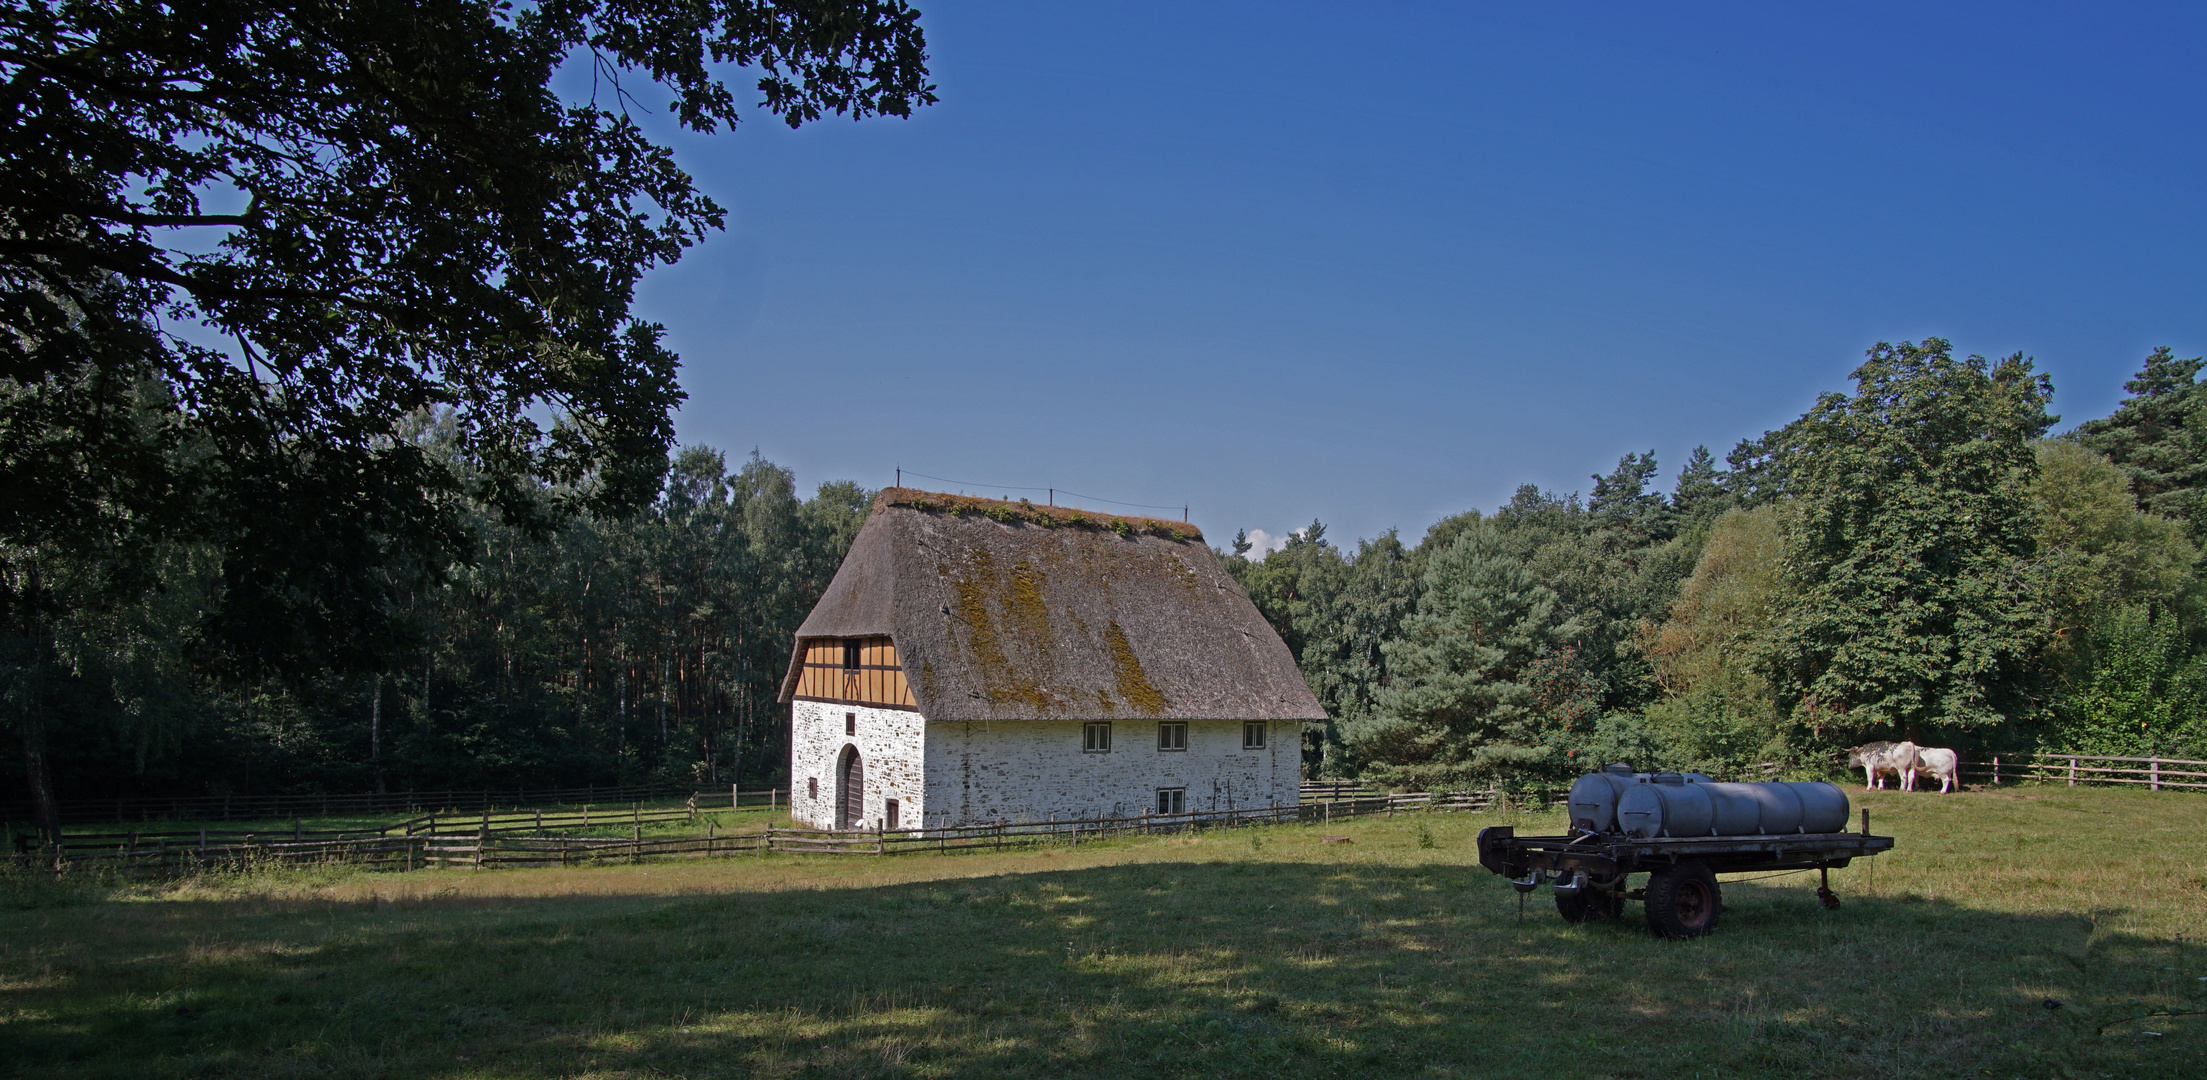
{"x":1172,"y":800}
{"x":850,"y":723}
{"x":1096,"y":737}
{"x":1172,"y":736}
{"x":1252,"y":735}
{"x":850,"y":654}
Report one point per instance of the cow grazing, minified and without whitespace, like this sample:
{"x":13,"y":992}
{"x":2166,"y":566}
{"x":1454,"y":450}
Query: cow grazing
{"x":1939,"y":762}
{"x":1870,"y":758}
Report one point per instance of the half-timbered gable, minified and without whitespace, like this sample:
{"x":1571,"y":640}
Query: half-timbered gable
{"x":976,"y":660}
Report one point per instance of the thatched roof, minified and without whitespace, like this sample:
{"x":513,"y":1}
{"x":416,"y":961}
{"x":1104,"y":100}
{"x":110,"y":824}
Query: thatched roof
{"x":1005,"y":611}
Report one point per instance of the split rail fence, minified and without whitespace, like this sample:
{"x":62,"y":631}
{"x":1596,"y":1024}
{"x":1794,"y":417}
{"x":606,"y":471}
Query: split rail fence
{"x":2152,"y":773}
{"x":517,"y":839}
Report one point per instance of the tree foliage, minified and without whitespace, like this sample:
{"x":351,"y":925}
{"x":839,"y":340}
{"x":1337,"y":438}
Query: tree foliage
{"x":242,"y":244}
{"x":2158,"y":437}
{"x":1911,"y":547}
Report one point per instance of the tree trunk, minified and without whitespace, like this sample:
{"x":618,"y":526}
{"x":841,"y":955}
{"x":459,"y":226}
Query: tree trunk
{"x":375,"y":733}
{"x":45,"y":811}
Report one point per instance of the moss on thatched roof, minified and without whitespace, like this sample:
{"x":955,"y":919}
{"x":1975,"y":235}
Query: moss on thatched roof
{"x":1007,"y":610}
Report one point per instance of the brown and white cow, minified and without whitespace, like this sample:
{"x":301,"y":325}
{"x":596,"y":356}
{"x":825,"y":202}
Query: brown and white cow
{"x":1879,"y":758}
{"x":1870,"y":758}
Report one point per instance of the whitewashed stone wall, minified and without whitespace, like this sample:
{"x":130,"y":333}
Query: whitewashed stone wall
{"x":890,"y":746}
{"x":1029,"y":770}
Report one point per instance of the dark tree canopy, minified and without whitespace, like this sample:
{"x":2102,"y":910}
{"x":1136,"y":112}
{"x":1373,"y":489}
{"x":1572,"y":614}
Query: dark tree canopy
{"x":366,"y":210}
{"x":245,"y":244}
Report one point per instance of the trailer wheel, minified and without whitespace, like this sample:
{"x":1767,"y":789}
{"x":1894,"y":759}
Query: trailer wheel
{"x":1586,"y":905}
{"x":1683,"y":901}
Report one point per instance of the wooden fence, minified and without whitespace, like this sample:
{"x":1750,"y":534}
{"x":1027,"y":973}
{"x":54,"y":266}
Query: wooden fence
{"x":515,"y":839}
{"x":2152,"y":773}
{"x":359,"y":804}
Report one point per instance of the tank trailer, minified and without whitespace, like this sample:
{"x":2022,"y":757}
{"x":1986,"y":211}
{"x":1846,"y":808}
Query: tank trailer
{"x":1682,"y":830}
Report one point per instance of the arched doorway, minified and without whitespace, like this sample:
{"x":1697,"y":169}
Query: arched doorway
{"x":850,"y":790}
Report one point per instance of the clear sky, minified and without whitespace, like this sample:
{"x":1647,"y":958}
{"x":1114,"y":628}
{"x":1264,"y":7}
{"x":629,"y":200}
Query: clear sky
{"x":1377,"y":264}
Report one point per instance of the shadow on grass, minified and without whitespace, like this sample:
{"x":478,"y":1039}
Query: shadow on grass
{"x":1227,"y":968}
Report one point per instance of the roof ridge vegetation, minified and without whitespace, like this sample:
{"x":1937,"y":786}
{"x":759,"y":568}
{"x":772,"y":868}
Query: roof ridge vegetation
{"x":1049,"y":517}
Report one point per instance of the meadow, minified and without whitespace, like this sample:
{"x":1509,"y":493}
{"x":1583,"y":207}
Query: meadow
{"x":1262,"y":952}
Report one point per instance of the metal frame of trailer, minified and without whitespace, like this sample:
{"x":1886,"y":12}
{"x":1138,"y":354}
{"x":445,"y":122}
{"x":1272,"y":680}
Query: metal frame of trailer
{"x":1589,"y":870}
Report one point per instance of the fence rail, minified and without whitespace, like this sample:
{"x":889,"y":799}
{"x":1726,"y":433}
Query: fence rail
{"x":2153,"y":773}
{"x":468,"y":842}
{"x":445,"y":801}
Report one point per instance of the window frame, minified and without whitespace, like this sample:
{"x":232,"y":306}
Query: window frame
{"x":1172,"y":736}
{"x":854,"y":653}
{"x":1172,"y":800}
{"x":1096,"y":737}
{"x":1254,"y":734}
{"x":888,"y":813}
{"x":812,"y":788}
{"x":850,"y":725}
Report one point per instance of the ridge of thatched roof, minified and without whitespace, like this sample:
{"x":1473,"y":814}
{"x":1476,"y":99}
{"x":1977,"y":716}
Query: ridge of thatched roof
{"x":1049,"y":517}
{"x":1006,"y":611}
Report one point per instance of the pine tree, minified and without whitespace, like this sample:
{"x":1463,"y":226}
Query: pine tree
{"x":1463,"y":699}
{"x":2158,"y":437}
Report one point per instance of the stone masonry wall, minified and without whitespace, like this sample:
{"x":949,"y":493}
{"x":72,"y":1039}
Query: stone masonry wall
{"x":890,"y":747}
{"x":1032,"y":769}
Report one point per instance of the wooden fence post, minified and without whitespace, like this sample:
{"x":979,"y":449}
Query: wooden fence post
{"x":1996,"y":770}
{"x":735,"y":798}
{"x":2072,"y":770}
{"x":2156,"y":764}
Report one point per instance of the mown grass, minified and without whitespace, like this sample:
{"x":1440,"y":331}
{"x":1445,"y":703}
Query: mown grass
{"x":1259,"y":952}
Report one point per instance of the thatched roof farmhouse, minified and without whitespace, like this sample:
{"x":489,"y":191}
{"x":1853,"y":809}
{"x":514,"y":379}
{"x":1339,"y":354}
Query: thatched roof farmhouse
{"x":977,"y":660}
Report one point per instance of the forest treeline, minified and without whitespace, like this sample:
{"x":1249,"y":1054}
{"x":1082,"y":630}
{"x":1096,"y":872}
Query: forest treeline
{"x":645,"y":648}
{"x":1914,"y":559}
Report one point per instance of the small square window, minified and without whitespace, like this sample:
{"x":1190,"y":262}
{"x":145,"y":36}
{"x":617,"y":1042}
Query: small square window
{"x":1172,"y":800}
{"x":1096,"y":738}
{"x":812,"y":787}
{"x":850,"y":723}
{"x":889,"y":814}
{"x":1252,"y":735}
{"x":1172,"y":736}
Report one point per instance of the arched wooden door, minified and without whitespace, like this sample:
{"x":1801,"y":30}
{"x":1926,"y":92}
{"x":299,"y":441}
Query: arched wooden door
{"x":850,"y":783}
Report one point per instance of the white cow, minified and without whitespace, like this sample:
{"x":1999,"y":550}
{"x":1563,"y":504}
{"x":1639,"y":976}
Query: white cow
{"x":1939,"y":762}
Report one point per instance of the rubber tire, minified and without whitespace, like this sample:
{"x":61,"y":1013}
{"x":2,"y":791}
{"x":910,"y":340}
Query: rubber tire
{"x":1587,"y":905}
{"x":1683,"y":901}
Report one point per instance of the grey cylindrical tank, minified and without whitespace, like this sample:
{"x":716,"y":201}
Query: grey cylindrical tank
{"x":1666,"y":810}
{"x":1765,"y":809}
{"x":1738,"y":811}
{"x":1823,"y":806}
{"x":1594,"y":800}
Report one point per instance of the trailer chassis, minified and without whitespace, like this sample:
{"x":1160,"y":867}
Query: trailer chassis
{"x":1590,"y":870}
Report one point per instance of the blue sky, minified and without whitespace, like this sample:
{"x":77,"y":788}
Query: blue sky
{"x":1377,"y":264}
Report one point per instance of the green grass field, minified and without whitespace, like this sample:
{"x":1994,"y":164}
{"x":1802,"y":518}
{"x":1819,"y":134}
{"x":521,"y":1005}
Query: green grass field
{"x":1256,"y":952}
